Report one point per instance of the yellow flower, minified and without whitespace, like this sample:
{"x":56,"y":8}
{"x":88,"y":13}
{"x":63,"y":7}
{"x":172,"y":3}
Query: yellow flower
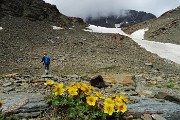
{"x":108,"y":101}
{"x":1,"y":102}
{"x":72,"y":84}
{"x":58,"y":90}
{"x":99,"y":95}
{"x":83,"y":85}
{"x":109,"y":109}
{"x":86,"y":91}
{"x":118,"y":100}
{"x":124,"y":99}
{"x":121,"y":107}
{"x":91,"y":87}
{"x":72,"y":91}
{"x":70,"y":87}
{"x":50,"y":83}
{"x":91,"y":100}
{"x":78,"y":85}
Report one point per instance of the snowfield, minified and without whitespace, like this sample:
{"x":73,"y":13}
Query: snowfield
{"x":164,"y":50}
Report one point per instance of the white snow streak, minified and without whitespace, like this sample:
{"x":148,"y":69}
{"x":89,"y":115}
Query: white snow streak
{"x":57,"y":28}
{"x":164,"y":50}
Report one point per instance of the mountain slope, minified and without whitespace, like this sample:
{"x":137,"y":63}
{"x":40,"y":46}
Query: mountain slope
{"x":35,"y":10}
{"x":72,"y":50}
{"x":165,"y":28}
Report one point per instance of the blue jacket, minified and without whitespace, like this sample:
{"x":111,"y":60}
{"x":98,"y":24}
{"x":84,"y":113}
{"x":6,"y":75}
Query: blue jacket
{"x":46,"y":60}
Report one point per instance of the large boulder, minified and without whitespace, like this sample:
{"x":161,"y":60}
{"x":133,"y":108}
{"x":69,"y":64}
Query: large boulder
{"x":23,"y":105}
{"x":98,"y":81}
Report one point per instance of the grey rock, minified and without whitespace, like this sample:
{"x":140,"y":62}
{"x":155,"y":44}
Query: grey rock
{"x":32,"y":108}
{"x":7,"y":84}
{"x":157,"y":117}
{"x":7,"y":89}
{"x":47,"y":76}
{"x":163,"y":95}
{"x":167,"y":109}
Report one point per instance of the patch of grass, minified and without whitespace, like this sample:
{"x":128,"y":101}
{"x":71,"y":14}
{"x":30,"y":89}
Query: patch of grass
{"x":169,"y":86}
{"x":2,"y":76}
{"x":148,"y":85}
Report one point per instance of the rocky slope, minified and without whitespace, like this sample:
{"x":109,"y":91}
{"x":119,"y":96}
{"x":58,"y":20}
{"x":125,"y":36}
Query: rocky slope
{"x":36,"y":10}
{"x":73,"y":51}
{"x":131,"y":17}
{"x":29,"y":93}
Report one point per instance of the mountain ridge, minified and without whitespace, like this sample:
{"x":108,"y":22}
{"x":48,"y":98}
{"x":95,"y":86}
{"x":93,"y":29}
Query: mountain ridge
{"x":130,"y":17}
{"x":164,"y":29}
{"x":36,"y":10}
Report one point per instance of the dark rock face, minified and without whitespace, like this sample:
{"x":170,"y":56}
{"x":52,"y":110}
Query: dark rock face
{"x":19,"y":8}
{"x":33,"y":10}
{"x":132,"y":17}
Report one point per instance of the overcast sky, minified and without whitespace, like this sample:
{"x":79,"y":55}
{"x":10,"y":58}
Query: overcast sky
{"x":84,"y":8}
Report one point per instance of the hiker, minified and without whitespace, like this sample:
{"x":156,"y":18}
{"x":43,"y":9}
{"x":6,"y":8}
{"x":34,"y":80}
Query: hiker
{"x":46,"y":63}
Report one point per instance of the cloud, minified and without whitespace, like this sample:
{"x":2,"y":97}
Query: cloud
{"x":84,"y":8}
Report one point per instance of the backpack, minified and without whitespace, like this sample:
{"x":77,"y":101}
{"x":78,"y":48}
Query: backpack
{"x":46,"y":60}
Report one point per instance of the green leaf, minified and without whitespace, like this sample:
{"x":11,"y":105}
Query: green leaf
{"x":56,"y":102}
{"x":72,"y":112}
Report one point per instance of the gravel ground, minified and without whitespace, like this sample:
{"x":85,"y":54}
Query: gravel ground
{"x":72,"y":51}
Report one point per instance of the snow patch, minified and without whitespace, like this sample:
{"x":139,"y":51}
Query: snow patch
{"x":98,"y":29}
{"x":139,"y":34}
{"x":164,"y":50}
{"x":1,"y":28}
{"x":57,"y":28}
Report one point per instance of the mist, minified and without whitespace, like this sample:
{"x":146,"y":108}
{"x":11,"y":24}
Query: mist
{"x":94,"y":8}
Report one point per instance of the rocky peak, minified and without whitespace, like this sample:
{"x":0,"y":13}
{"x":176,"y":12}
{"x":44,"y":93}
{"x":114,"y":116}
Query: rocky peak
{"x":132,"y":17}
{"x":33,"y":10}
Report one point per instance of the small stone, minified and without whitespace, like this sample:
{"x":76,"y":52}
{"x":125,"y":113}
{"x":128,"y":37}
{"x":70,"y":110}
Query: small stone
{"x":7,"y":84}
{"x":157,"y":117}
{"x":109,"y":79}
{"x":149,"y":64}
{"x":153,"y":82}
{"x":8,"y":89}
{"x":146,"y":117}
{"x":12,"y":75}
{"x":38,"y":81}
{"x":47,"y":76}
{"x":128,"y":80}
{"x":145,"y":93}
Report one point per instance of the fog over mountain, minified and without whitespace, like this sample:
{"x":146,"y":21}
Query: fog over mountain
{"x":94,"y":8}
